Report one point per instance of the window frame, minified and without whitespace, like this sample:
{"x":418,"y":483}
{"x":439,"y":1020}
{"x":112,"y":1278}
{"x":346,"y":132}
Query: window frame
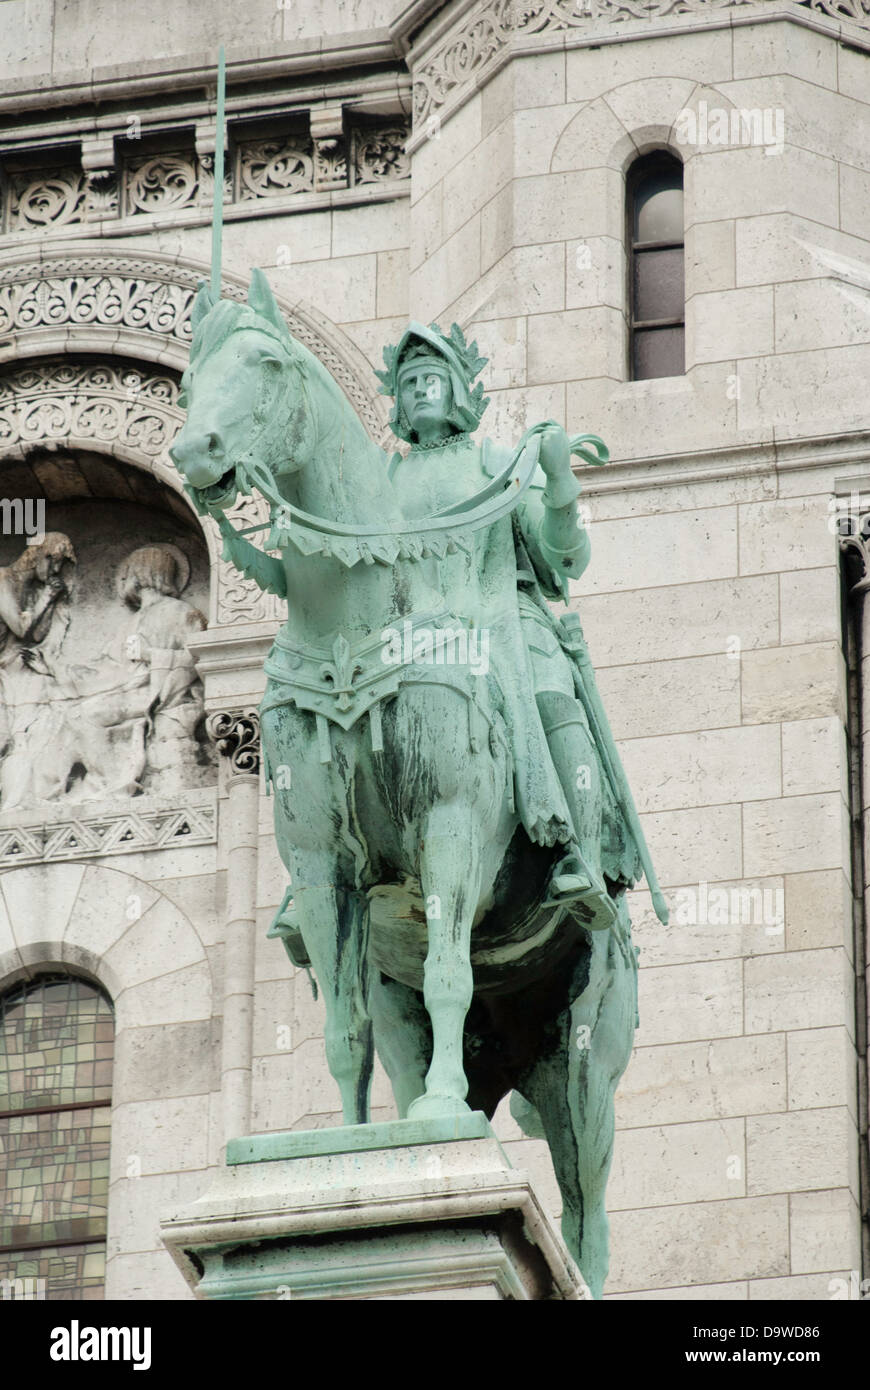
{"x":640,"y":169}
{"x":25,"y":985}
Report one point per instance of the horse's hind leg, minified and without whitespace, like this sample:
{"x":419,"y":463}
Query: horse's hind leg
{"x":334,"y":922}
{"x":573,"y":1086}
{"x":450,"y":879}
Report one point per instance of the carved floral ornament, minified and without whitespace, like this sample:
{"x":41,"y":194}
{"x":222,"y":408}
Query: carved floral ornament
{"x":492,"y":25}
{"x":237,"y":735}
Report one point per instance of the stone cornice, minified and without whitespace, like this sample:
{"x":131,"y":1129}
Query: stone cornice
{"x":379,"y":92}
{"x":141,"y":81}
{"x":844,"y":452}
{"x":426,"y":32}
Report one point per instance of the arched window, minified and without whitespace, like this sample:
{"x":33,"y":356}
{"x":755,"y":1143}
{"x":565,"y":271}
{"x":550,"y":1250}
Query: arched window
{"x":656,"y":256}
{"x":56,"y":1045}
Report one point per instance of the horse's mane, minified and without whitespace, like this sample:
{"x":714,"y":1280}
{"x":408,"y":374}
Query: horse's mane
{"x":227,"y":317}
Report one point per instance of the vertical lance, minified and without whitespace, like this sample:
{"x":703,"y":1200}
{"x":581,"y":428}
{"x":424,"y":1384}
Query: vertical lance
{"x":217,"y":220}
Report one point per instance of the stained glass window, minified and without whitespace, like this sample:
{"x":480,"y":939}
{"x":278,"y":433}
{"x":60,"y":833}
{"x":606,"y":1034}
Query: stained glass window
{"x":56,"y":1046}
{"x":656,"y":288}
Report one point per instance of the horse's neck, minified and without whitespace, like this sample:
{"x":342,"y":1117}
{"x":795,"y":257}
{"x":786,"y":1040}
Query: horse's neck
{"x":345,"y":476}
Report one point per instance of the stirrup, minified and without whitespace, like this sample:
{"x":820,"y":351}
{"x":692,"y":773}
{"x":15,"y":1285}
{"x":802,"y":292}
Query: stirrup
{"x":568,"y":888}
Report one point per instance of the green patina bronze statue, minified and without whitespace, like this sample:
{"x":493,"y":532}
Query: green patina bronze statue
{"x":449,"y":802}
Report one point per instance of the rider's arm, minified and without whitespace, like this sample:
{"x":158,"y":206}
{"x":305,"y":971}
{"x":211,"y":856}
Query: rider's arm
{"x":557,"y":541}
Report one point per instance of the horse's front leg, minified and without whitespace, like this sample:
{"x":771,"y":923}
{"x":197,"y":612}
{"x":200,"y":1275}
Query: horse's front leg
{"x":334,"y":923}
{"x":450,"y":874}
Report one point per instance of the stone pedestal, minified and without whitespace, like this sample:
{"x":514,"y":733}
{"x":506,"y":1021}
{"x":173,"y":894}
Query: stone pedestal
{"x":406,"y":1210}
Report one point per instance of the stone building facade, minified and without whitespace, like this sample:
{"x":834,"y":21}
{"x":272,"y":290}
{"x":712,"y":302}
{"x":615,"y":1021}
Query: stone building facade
{"x":467,"y":162}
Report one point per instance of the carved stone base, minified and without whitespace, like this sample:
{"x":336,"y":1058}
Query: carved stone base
{"x":406,"y":1210}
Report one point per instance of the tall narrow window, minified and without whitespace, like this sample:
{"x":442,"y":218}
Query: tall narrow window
{"x":56,"y":1046}
{"x":656,"y":283}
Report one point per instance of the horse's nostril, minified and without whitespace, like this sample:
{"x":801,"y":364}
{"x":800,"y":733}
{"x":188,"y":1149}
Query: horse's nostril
{"x":214,"y":446}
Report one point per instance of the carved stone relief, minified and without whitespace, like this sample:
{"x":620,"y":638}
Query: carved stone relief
{"x":159,"y":183}
{"x":111,"y":403}
{"x":167,"y":182}
{"x":237,"y":736}
{"x":82,"y":720}
{"x":189,"y":821}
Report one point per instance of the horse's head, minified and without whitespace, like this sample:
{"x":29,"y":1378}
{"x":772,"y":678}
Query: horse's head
{"x":244,"y":396}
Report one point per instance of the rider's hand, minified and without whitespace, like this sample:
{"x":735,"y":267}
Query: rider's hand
{"x":555,"y":459}
{"x":555,"y":455}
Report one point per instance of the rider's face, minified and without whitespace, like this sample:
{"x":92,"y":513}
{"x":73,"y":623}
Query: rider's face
{"x":426,"y":397}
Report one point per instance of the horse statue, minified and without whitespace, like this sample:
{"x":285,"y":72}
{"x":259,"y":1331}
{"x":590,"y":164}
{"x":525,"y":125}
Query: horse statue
{"x":457,"y":915}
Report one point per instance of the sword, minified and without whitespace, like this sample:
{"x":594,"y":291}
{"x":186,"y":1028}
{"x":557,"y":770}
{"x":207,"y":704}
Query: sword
{"x":606,"y":745}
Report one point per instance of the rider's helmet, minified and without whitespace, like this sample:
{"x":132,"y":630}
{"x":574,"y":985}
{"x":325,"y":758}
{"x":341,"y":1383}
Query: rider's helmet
{"x":461,"y":359}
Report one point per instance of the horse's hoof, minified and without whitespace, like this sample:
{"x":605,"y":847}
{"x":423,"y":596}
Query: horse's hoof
{"x":435,"y":1107}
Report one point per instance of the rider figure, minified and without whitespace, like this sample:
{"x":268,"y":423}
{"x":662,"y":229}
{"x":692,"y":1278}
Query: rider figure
{"x":435,"y":410}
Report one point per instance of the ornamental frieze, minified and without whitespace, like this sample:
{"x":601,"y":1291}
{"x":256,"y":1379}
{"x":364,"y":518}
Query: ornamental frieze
{"x":380,"y":155}
{"x":270,"y":168}
{"x":54,"y":401}
{"x":192,"y":820}
{"x":82,"y":293}
{"x":469,"y":49}
{"x":155,"y":184}
{"x":116,"y":291}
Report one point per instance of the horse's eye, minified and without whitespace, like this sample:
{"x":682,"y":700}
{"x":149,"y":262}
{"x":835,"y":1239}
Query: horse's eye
{"x":182,"y":400}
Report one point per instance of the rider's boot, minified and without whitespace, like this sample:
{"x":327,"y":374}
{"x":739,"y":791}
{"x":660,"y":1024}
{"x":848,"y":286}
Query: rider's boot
{"x":577,"y":875}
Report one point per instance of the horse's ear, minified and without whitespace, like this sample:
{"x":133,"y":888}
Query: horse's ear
{"x":263,"y":302}
{"x":202,"y":305}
